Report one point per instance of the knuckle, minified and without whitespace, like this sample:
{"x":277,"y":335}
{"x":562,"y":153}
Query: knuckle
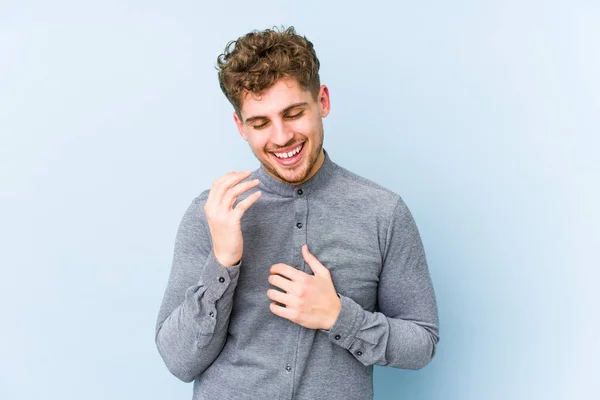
{"x":209,"y":213}
{"x":302,"y":292}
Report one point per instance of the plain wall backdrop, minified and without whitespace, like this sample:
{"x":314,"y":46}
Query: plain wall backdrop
{"x":483,"y":115}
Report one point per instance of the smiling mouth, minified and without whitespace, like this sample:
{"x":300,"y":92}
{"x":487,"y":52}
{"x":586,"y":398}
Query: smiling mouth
{"x":290,"y":157}
{"x":289,"y":154}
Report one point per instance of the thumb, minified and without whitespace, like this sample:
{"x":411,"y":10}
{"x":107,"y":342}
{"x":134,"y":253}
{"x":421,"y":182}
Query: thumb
{"x":314,"y":264}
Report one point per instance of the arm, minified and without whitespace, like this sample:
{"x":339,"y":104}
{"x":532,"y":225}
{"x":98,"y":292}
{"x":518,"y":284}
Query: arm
{"x":403,"y":333}
{"x":194,"y":316}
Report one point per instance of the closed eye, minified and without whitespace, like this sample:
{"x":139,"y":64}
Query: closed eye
{"x":261,"y":125}
{"x":298,"y":115}
{"x":295,"y":116}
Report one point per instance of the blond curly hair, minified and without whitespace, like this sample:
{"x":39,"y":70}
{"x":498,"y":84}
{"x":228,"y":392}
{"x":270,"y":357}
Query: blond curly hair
{"x":255,"y":61}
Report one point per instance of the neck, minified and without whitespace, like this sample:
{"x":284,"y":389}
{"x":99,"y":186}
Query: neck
{"x":316,"y":166}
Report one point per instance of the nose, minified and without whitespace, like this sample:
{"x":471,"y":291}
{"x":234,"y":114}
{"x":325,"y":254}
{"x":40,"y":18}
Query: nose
{"x":281,"y":135}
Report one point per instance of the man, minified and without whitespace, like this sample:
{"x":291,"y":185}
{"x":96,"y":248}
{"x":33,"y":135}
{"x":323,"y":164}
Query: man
{"x":292,"y":281}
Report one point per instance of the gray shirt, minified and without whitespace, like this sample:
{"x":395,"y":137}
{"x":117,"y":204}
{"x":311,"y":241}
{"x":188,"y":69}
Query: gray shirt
{"x":215,"y":326}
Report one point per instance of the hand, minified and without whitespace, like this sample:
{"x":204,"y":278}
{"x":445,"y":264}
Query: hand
{"x":224,"y":220}
{"x":310,"y":300}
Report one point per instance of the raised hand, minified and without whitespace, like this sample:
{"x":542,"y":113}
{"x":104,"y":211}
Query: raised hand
{"x":310,"y":300}
{"x":224,"y":220}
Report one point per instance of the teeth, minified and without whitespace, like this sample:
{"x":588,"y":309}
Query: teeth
{"x":290,"y":154}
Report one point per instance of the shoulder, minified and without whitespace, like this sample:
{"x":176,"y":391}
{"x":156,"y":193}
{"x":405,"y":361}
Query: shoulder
{"x":200,"y":200}
{"x":196,"y":207}
{"x":194,"y":217}
{"x":365,"y":190}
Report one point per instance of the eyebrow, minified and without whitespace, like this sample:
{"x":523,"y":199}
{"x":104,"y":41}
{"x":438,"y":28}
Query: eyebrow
{"x":288,"y":108}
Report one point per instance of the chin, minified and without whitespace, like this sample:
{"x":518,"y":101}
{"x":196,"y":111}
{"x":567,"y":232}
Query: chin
{"x":294,"y":176}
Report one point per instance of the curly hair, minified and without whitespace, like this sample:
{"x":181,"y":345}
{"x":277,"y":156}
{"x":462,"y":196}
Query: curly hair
{"x":257,"y":60}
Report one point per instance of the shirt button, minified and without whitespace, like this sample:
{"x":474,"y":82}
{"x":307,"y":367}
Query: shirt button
{"x":288,"y":368}
{"x":212,"y":314}
{"x":299,"y":225}
{"x":299,"y":191}
{"x":337,"y":337}
{"x":359,"y":353}
{"x":221,"y":279}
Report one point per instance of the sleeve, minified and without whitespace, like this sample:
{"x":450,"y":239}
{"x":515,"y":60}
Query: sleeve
{"x":192,"y":323}
{"x":403,"y":332}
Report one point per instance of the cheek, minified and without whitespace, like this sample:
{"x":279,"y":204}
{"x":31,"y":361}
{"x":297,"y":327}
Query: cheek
{"x":306,"y":127}
{"x":258,"y":141}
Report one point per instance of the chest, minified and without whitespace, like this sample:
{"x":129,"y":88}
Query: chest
{"x":347,"y":243}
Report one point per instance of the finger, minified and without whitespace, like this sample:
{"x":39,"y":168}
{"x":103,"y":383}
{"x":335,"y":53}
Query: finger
{"x":281,"y":311}
{"x":213,"y":194}
{"x":232,"y":193}
{"x":314,"y":264}
{"x":245,"y":204}
{"x":228,"y":180}
{"x":288,"y":271}
{"x":282,"y":283}
{"x":279,"y":297}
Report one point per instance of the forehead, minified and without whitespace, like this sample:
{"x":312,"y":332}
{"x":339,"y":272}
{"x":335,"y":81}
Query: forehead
{"x":280,"y":95}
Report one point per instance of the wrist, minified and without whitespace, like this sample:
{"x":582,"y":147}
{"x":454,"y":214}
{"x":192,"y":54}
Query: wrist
{"x":227,"y":262}
{"x":229,"y":265}
{"x":335,"y":313}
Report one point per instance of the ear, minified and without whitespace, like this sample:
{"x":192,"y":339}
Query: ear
{"x":324,"y":101}
{"x":240,"y":126}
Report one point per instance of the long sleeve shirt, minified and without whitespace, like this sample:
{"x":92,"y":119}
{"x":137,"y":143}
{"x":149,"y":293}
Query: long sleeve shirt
{"x":215,"y":326}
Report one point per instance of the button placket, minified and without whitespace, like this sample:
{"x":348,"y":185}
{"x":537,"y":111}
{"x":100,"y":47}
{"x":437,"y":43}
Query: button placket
{"x":298,"y":231}
{"x":301,"y":235}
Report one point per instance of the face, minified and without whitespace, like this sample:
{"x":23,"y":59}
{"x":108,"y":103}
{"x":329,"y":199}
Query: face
{"x":284,"y":128}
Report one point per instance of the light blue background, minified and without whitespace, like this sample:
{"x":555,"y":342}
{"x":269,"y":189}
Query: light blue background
{"x":483,"y":116}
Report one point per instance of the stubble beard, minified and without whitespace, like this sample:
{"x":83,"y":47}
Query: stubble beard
{"x":296,"y":179}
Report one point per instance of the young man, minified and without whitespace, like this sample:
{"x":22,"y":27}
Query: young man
{"x":292,"y":281}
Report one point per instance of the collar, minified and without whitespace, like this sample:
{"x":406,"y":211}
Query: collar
{"x":288,"y":190}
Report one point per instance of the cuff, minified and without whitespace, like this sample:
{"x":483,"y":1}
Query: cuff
{"x":219,"y":279}
{"x":343,"y":332}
